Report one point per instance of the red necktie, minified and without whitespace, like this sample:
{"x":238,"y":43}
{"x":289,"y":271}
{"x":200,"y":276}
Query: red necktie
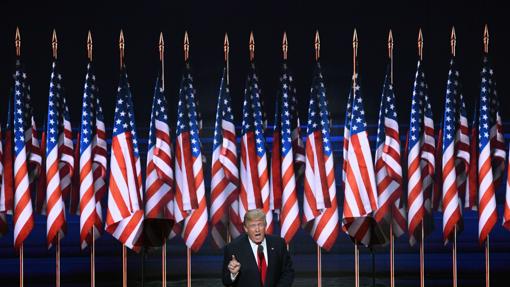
{"x":262,"y":263}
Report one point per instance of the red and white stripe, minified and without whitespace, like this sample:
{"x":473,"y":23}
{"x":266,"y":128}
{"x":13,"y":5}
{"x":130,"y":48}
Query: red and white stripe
{"x":55,"y":208}
{"x":451,"y":200}
{"x":23,"y":213}
{"x":92,"y":186}
{"x":360,"y":187}
{"x":506,"y":214}
{"x":486,"y":196}
{"x":125,"y":211}
{"x":388,"y":170}
{"x":224,"y":187}
{"x":190,"y":198}
{"x":160,"y":175}
{"x":285,"y":181}
{"x":320,"y":202}
{"x":416,"y":210}
{"x":254,"y":180}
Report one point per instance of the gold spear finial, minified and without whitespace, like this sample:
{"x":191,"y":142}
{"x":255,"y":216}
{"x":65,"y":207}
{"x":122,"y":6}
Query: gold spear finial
{"x":390,"y":44}
{"x":317,"y":46}
{"x":420,"y":44}
{"x":390,"y":54}
{"x":161,"y":46}
{"x":122,"y":46}
{"x":354,"y":52}
{"x":226,"y":47}
{"x":252,"y":47}
{"x":285,"y":46}
{"x":54,"y":44}
{"x":453,"y":41}
{"x":17,"y":42}
{"x":89,"y":46}
{"x":355,"y":43}
{"x":486,"y":39}
{"x":186,"y":46}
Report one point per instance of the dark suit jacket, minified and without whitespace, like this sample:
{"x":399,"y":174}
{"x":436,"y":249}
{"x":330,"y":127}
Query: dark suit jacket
{"x":280,"y":272}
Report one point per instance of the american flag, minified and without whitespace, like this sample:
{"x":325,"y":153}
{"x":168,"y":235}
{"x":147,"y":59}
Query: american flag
{"x":7,"y":183}
{"x":283,"y":175}
{"x":225,"y":172}
{"x":420,"y":159}
{"x":23,"y":213}
{"x":486,"y":152}
{"x":388,"y":168}
{"x":190,"y":198}
{"x":159,"y":180}
{"x":320,"y":207}
{"x":59,"y":158}
{"x":3,"y":219}
{"x":361,"y":198}
{"x":452,"y":204}
{"x":255,"y":191}
{"x":124,"y":217}
{"x":92,"y":161}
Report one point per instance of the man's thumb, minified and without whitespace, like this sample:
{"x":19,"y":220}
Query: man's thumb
{"x":234,"y":257}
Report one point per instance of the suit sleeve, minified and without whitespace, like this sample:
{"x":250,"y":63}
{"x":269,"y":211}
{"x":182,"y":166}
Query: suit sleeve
{"x":227,"y":279}
{"x":287,"y":275}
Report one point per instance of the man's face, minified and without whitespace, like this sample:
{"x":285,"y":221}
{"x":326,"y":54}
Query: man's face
{"x":256,"y":230}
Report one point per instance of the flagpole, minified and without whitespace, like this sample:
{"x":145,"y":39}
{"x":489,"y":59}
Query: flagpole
{"x":354,"y":58}
{"x":57,"y":265}
{"x":161,"y":47}
{"x":54,"y":46}
{"x":124,"y":250}
{"x":226,"y":52}
{"x":392,"y":239}
{"x":453,"y":43}
{"x":487,"y":263}
{"x":17,"y":44}
{"x":188,"y":250}
{"x":317,"y":46}
{"x":487,"y":258}
{"x":422,"y":244}
{"x":285,"y":50}
{"x":21,"y":265}
{"x":93,"y":247}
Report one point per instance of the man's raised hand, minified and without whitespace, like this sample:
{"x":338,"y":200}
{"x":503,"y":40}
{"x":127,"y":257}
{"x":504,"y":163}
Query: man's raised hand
{"x":234,"y":266}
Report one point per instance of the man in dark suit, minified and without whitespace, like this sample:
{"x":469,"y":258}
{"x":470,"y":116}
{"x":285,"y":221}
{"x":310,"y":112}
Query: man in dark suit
{"x":255,"y":259}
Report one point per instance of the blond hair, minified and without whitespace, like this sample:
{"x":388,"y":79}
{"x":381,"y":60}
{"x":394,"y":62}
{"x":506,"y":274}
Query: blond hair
{"x":254,"y":214}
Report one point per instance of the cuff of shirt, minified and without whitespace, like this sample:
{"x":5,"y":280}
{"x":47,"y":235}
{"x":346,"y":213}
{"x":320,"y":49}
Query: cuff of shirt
{"x":233,"y":276}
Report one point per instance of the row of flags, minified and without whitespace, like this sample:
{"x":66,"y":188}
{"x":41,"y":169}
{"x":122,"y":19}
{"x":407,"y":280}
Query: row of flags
{"x":461,"y":167}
